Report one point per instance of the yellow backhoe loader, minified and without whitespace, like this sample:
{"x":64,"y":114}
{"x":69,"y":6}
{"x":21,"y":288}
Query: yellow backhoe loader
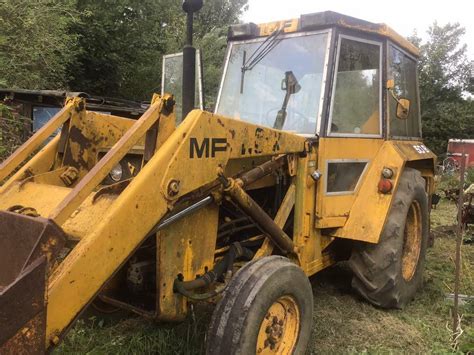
{"x":313,"y":155}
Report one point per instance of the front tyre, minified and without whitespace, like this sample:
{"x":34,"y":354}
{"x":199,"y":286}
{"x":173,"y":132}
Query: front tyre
{"x":389,"y":273}
{"x":267,"y":309}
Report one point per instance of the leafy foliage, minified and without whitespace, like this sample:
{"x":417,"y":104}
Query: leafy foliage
{"x":35,"y":46}
{"x":213,"y":47}
{"x":13,"y":130}
{"x":444,"y":72}
{"x":122,"y":43}
{"x":109,"y":47}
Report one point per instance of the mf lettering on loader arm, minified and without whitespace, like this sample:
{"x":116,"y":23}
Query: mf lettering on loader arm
{"x":208,"y":147}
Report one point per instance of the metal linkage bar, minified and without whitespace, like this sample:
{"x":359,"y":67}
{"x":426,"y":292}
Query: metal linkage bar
{"x":103,"y":167}
{"x":35,"y":141}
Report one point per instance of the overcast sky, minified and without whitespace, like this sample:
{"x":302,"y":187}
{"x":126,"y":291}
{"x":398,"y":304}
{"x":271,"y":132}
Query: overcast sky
{"x":402,"y":15}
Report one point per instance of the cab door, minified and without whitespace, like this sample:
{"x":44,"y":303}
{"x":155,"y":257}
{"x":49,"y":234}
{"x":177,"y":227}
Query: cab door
{"x":354,"y":128}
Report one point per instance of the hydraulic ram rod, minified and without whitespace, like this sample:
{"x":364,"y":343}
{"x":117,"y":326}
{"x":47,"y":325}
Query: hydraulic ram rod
{"x":264,"y":221}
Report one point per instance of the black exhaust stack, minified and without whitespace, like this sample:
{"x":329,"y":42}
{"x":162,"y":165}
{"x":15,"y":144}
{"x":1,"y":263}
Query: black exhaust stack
{"x":189,"y":57}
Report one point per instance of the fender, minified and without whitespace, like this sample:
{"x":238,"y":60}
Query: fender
{"x":371,"y":208}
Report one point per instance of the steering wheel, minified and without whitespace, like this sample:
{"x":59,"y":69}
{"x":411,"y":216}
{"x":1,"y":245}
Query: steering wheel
{"x":303,"y":120}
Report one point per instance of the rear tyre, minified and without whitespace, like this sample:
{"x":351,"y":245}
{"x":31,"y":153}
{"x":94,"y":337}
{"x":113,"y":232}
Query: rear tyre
{"x":389,"y":273}
{"x":267,"y":309}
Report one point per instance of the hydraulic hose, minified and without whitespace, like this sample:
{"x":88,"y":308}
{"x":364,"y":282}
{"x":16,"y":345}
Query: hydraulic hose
{"x":224,"y":265}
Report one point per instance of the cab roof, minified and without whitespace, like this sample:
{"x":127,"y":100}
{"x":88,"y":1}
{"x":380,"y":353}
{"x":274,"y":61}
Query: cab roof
{"x":320,"y":20}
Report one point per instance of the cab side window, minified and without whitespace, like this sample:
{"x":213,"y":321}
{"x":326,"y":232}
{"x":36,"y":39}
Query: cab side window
{"x":402,"y":70}
{"x":356,"y":105}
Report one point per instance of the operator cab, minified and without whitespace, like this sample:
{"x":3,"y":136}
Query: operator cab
{"x":323,"y":74}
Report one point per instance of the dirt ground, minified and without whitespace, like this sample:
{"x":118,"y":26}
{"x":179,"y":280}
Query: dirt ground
{"x":343,"y":323}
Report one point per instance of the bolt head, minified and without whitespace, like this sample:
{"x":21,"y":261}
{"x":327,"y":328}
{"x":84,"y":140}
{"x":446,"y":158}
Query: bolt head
{"x":387,"y":173}
{"x":316,"y":175}
{"x":173,"y":188}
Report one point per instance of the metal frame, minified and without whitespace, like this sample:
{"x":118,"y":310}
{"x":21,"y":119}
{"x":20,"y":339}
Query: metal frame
{"x":199,"y":76}
{"x":324,"y":79}
{"x":410,"y":56}
{"x":357,"y":135}
{"x":324,"y":84}
{"x":338,"y":193}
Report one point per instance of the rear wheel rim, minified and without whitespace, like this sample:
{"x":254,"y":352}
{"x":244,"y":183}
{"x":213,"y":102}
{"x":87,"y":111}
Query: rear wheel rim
{"x":412,"y":241}
{"x":280,"y":327}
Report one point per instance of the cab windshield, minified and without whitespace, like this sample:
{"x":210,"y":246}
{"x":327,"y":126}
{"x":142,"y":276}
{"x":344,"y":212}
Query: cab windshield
{"x":259,"y":93}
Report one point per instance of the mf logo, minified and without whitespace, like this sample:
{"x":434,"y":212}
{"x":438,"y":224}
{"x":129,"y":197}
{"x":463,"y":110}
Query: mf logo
{"x":208,"y":147}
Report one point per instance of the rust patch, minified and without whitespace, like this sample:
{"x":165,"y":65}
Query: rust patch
{"x":276,"y":146}
{"x":23,"y":313}
{"x":23,"y":239}
{"x":76,"y":136}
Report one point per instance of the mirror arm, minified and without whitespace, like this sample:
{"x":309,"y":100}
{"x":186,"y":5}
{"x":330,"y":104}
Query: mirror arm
{"x":394,"y":96}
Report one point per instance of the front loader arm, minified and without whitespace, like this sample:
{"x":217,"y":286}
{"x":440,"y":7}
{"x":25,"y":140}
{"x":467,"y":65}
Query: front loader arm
{"x":186,"y":161}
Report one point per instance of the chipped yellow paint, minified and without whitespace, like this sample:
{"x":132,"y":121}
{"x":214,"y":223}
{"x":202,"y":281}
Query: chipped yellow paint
{"x":308,"y":240}
{"x":333,"y":210}
{"x":412,"y":241}
{"x":380,"y":29}
{"x":84,"y":271}
{"x":288,"y":26}
{"x":41,"y":197}
{"x":370,"y":209}
{"x":184,"y":249}
{"x":74,"y":107}
{"x":101,"y":225}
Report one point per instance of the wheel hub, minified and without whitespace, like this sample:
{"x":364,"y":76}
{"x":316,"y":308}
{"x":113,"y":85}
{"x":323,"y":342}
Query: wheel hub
{"x":279,"y":329}
{"x":412,"y":241}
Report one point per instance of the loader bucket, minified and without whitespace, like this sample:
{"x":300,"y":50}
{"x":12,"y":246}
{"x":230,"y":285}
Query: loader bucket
{"x":28,"y":248}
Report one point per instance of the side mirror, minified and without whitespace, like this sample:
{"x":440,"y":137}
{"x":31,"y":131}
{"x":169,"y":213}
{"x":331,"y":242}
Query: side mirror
{"x":403,"y":105}
{"x":403,"y":109}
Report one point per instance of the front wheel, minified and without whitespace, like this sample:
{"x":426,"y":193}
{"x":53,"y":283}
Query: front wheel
{"x":267,"y":309}
{"x":388,"y":273}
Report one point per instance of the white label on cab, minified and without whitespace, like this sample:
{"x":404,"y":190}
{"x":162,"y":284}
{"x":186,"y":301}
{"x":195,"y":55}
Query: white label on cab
{"x":421,"y":149}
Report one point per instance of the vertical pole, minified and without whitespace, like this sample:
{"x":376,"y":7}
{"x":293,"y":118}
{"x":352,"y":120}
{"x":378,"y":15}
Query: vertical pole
{"x":189,"y":57}
{"x":459,"y":234}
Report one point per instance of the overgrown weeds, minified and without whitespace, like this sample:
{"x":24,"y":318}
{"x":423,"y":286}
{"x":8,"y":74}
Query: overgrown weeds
{"x":343,"y":323}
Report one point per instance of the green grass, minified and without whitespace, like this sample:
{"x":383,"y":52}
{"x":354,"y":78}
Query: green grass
{"x":343,"y":324}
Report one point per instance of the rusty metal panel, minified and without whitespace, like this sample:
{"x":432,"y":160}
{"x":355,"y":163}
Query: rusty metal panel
{"x":90,"y":134}
{"x":22,"y":312}
{"x":23,"y":239}
{"x":100,"y":170}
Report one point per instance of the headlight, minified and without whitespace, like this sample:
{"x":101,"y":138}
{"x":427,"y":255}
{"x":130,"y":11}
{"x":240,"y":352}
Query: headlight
{"x":116,"y":173}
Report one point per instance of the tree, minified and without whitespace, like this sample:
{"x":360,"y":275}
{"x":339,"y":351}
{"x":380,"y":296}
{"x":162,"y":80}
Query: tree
{"x":35,"y":46}
{"x":444,"y":72}
{"x":122,"y":42}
